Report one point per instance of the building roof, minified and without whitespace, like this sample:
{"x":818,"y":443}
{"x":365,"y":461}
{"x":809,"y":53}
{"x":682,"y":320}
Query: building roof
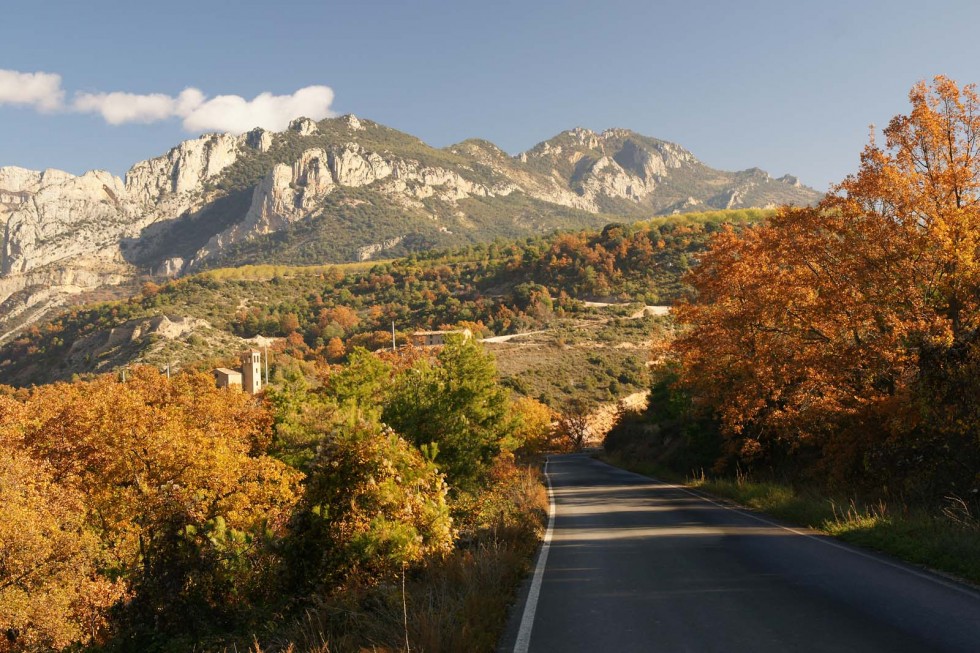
{"x":226,"y":371}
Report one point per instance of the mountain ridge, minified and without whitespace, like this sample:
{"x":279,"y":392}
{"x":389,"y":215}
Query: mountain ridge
{"x":348,"y":188}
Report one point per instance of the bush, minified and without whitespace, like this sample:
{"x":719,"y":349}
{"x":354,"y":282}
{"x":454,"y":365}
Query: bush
{"x":373,"y":504}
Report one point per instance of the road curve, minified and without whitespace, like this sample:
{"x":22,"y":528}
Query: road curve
{"x":638,"y":565}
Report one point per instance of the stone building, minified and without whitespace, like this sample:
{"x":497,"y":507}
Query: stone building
{"x":252,"y":371}
{"x":249,"y":379}
{"x":226,"y":378}
{"x":437,"y":338}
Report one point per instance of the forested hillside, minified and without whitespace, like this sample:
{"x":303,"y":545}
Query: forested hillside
{"x":497,"y":288}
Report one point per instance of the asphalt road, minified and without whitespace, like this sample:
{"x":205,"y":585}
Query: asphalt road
{"x":638,"y":565}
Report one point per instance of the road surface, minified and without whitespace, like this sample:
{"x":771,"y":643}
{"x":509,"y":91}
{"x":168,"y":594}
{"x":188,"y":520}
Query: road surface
{"x":638,"y":565}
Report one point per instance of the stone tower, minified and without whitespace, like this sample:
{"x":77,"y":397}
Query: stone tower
{"x":252,"y":371}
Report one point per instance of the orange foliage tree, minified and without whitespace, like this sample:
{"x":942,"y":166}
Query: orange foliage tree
{"x":848,"y":331}
{"x":175,"y":480}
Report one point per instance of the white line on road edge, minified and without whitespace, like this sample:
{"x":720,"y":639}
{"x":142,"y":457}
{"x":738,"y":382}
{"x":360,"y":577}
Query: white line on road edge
{"x":823,"y":539}
{"x":531,"y":605}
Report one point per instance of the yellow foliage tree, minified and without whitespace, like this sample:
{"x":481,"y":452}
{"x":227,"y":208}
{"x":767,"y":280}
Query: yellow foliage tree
{"x":51,"y":594}
{"x":535,"y":431}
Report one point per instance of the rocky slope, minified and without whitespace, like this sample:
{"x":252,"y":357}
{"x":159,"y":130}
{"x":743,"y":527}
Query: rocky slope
{"x":341,"y":189}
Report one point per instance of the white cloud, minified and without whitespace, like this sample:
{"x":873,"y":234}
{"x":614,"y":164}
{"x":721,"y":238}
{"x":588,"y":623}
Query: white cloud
{"x":39,"y":90}
{"x":225,"y":113}
{"x":119,"y":108}
{"x":188,"y":100}
{"x":198,"y":113}
{"x":235,"y":114}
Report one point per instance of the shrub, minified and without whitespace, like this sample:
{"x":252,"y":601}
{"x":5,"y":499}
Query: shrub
{"x":373,"y":504}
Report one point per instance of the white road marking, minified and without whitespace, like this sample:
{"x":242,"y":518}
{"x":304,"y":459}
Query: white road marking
{"x":527,"y":619}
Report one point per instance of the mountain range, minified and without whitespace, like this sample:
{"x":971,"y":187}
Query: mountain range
{"x":342,"y":189}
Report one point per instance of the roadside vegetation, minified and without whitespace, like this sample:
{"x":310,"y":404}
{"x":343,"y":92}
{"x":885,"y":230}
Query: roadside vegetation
{"x":824,"y":368}
{"x":944,"y":537}
{"x":388,"y":503}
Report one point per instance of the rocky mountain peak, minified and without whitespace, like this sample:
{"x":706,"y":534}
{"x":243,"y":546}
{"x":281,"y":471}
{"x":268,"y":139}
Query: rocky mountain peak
{"x":210,"y":198}
{"x":352,"y":122}
{"x":616,"y":133}
{"x":185,"y":167}
{"x":259,"y":139}
{"x":304,"y":126}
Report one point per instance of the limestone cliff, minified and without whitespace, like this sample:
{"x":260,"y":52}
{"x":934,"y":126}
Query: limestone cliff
{"x":291,"y":193}
{"x":201,"y":202}
{"x":63,"y":234}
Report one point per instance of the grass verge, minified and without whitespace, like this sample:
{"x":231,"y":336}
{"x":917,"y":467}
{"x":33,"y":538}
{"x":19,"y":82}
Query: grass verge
{"x":947,"y":541}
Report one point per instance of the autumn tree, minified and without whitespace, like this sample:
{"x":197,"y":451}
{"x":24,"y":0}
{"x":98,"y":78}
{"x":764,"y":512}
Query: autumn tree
{"x":847,"y":331}
{"x":288,"y":323}
{"x":535,"y":429}
{"x":176,"y":479}
{"x":342,"y":316}
{"x":573,"y":422}
{"x":372,"y":504}
{"x":335,"y":350}
{"x":51,"y":592}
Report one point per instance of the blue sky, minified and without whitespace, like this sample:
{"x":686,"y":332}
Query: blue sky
{"x":786,"y":86}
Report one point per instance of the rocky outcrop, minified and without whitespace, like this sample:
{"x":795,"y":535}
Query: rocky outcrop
{"x":59,"y":236}
{"x":73,"y":227}
{"x":259,"y":139}
{"x":304,"y":126}
{"x":291,"y":193}
{"x":616,"y":164}
{"x":28,"y":297}
{"x":352,"y":122}
{"x":620,"y":170}
{"x":352,"y":166}
{"x":413,"y":179}
{"x":285,"y":195}
{"x":607,"y":178}
{"x":161,"y":325}
{"x":369,"y":251}
{"x":78,"y":216}
{"x":652,"y":162}
{"x":62,"y":234}
{"x":170,"y":268}
{"x":185,"y":168}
